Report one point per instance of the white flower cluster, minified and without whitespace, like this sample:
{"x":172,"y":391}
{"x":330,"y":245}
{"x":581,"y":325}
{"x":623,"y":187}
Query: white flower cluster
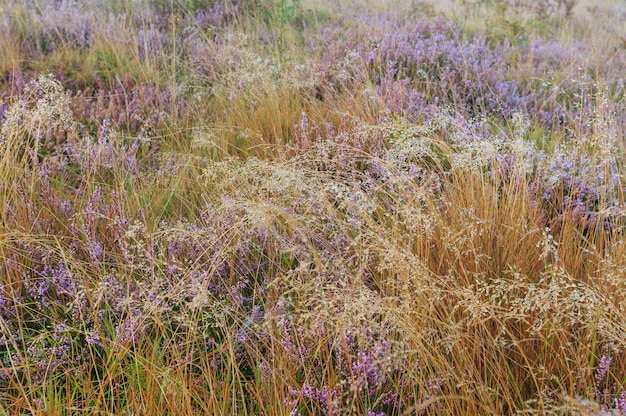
{"x":43,"y":109}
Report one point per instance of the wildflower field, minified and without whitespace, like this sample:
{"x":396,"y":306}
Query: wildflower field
{"x":314,"y":207}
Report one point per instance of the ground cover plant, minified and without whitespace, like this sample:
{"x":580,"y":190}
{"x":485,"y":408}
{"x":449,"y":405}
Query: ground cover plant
{"x":312,"y":207}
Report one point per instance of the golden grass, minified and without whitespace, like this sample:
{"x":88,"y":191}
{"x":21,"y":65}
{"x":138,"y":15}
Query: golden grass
{"x":474,"y":288}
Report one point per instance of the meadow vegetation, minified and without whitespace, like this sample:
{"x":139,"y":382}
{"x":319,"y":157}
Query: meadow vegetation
{"x":278,"y":207}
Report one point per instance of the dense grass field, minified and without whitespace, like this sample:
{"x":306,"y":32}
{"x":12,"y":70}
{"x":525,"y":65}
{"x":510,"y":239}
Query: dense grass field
{"x":315,"y":207}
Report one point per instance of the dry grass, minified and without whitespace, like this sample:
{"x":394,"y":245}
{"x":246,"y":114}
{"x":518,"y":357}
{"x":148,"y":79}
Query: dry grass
{"x":246,"y":219}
